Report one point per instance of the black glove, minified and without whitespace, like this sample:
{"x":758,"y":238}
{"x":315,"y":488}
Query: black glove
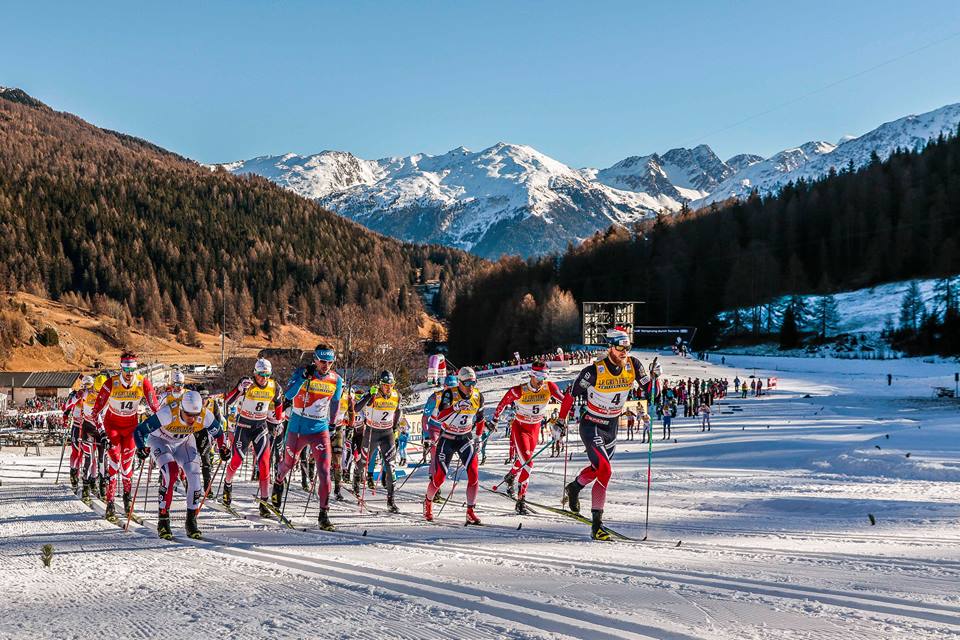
{"x":225,"y":453}
{"x":143,"y":452}
{"x":310,"y":370}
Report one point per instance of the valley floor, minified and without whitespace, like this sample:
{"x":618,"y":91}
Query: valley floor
{"x":759,"y":528}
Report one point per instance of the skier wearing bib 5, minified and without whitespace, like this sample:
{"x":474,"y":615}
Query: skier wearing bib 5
{"x":531,"y":400}
{"x":120,"y":398}
{"x":382,"y":416}
{"x":315,"y":392}
{"x":458,"y":423}
{"x":260,"y":410}
{"x":605,"y":386}
{"x":169,"y":436}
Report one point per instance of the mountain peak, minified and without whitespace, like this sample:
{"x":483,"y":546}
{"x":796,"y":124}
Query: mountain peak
{"x":20,"y":96}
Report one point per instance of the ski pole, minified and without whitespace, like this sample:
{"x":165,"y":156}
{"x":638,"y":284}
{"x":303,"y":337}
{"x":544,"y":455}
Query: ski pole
{"x":527,"y":462}
{"x":136,"y":490}
{"x":456,"y":473}
{"x":650,"y":400}
{"x":209,"y":486}
{"x":566,"y":458}
{"x":286,"y":492}
{"x":63,"y":450}
{"x":313,"y":484}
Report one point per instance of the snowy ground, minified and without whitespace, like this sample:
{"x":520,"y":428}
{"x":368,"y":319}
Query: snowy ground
{"x":770,"y":511}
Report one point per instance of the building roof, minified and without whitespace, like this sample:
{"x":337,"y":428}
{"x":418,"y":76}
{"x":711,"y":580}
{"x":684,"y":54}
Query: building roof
{"x":35,"y":379}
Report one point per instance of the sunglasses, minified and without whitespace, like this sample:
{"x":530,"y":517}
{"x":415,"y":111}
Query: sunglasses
{"x":468,"y":383}
{"x":263,"y":375}
{"x":128,"y":369}
{"x":620,"y":348}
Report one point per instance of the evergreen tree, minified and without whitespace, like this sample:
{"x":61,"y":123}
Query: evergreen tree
{"x":826,"y":314}
{"x":789,"y":334}
{"x":912,"y":309}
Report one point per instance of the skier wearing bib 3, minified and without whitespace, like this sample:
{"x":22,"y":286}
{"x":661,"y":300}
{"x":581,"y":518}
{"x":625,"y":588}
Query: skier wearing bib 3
{"x":120,"y":396}
{"x":531,"y":400}
{"x":169,"y":436}
{"x":382,"y":417}
{"x":315,"y":391}
{"x":459,"y":422}
{"x":261,"y":409}
{"x":605,"y":385}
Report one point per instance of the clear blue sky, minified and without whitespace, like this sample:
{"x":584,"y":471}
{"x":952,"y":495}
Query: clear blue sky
{"x":587,"y":83}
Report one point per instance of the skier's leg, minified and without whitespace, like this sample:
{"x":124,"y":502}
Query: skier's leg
{"x":261,"y":447}
{"x":292,"y":447}
{"x":443,"y":452}
{"x":241,"y":438}
{"x":187,"y":456}
{"x":605,"y":451}
{"x":591,"y":441}
{"x":388,"y":449}
{"x":165,"y":461}
{"x":320,"y":446}
{"x":526,"y":442}
{"x":468,"y":456}
{"x":113,"y":454}
{"x":128,"y":449}
{"x":515,"y":454}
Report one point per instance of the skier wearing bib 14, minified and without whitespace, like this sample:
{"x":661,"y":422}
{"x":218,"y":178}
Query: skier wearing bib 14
{"x":531,"y":399}
{"x":315,"y":391}
{"x":459,"y":423}
{"x":605,"y":385}
{"x":120,"y":397}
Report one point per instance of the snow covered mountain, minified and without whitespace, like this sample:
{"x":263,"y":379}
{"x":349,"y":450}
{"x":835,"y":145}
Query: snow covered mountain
{"x":815,"y":159}
{"x":507,"y":199}
{"x":512,"y":199}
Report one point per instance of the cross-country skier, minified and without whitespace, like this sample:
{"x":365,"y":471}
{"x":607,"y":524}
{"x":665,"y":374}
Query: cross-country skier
{"x":531,"y":400}
{"x":430,"y":410}
{"x":173,"y":391}
{"x":605,"y":385}
{"x":382,"y":415}
{"x":340,"y":438}
{"x":315,"y":391}
{"x":260,"y":411}
{"x":116,"y":411}
{"x":73,"y":415}
{"x":459,"y":423}
{"x":168,"y":435}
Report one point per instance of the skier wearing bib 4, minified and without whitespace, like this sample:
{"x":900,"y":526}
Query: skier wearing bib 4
{"x":459,"y":422}
{"x":605,"y":385}
{"x":120,"y":397}
{"x":169,"y":436}
{"x":260,"y":410}
{"x":73,"y":411}
{"x":531,"y":401}
{"x":382,"y":416}
{"x":315,"y":391}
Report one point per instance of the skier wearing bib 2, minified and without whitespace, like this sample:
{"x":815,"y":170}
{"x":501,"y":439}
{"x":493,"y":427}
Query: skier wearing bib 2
{"x":120,"y":396}
{"x":315,"y":391}
{"x":531,"y":400}
{"x":169,"y":436}
{"x":382,"y":418}
{"x":459,"y":422}
{"x":261,"y":409}
{"x":605,"y":385}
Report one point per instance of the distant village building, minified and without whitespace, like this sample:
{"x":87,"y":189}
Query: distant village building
{"x":20,"y":386}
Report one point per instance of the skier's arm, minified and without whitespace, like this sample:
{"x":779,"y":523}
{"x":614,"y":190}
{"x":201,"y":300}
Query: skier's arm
{"x":642,"y":378}
{"x":72,"y":401}
{"x":150,"y":396}
{"x":277,"y":405}
{"x":151,"y":424}
{"x":101,"y":402}
{"x":335,"y":400}
{"x":577,"y":390}
{"x":297,"y":378}
{"x":555,"y":393}
{"x":233,"y":394}
{"x":480,"y":422}
{"x":445,"y":408}
{"x":211,"y":422}
{"x":366,"y":399}
{"x":512,"y":394}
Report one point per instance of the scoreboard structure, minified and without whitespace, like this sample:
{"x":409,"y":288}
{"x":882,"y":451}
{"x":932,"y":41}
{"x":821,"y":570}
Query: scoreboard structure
{"x":598,"y":316}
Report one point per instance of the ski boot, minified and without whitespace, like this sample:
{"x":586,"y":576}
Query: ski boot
{"x":102,"y":487}
{"x":111,"y":512}
{"x":427,"y":510}
{"x":85,"y":492}
{"x":356,"y":486}
{"x":337,"y":495}
{"x":193,"y":531}
{"x":163,"y":525}
{"x":264,"y":510}
{"x":303,"y":483}
{"x":436,"y":498}
{"x":74,"y":480}
{"x":391,"y":505}
{"x":276,"y":498}
{"x":573,"y":496}
{"x":323,"y":521}
{"x":483,"y":459}
{"x":508,"y":480}
{"x":227,"y":496}
{"x":522,"y":507}
{"x":597,"y":530}
{"x":126,"y":502}
{"x":472,"y":517}
{"x":370,"y":484}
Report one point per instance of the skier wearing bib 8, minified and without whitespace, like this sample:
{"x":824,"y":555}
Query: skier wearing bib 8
{"x":531,"y":400}
{"x":460,"y":421}
{"x":315,"y":392}
{"x":260,"y":410}
{"x":169,"y":436}
{"x":119,"y":399}
{"x":605,"y":386}
{"x":382,"y":414}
